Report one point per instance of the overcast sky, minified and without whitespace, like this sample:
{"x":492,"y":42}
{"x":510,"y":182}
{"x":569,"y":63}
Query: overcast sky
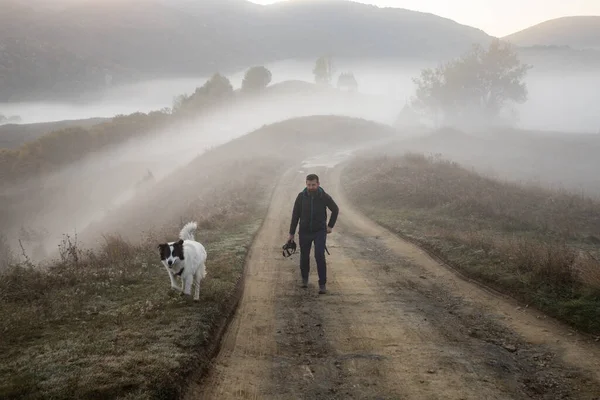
{"x":496,"y":17}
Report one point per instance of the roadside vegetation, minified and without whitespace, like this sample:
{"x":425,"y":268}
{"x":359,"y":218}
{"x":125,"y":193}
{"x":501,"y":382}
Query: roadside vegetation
{"x":101,"y":320}
{"x":104,"y":323}
{"x":540,"y":246}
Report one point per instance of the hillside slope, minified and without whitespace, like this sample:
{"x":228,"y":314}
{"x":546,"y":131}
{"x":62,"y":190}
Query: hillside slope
{"x":12,"y":136}
{"x":579,"y":32}
{"x":134,"y":39}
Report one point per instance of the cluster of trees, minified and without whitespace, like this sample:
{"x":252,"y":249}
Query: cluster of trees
{"x":219,"y":89}
{"x":476,"y":89}
{"x":256,"y":79}
{"x":59,"y":148}
{"x":216,"y":90}
{"x":324,"y":71}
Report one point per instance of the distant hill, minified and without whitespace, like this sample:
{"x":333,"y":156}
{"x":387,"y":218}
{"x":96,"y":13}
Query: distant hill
{"x":582,"y":32}
{"x":14,"y":135}
{"x":63,"y":48}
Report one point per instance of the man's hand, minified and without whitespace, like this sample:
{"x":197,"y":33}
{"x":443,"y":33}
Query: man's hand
{"x":290,"y":237}
{"x":329,"y":229}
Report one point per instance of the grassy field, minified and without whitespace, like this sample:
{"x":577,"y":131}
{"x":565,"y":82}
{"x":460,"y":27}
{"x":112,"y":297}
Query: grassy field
{"x":102,"y":322}
{"x":105,"y":323}
{"x":540,"y":246}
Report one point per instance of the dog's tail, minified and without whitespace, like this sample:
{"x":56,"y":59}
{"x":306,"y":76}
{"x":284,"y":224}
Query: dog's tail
{"x":187,"y":232}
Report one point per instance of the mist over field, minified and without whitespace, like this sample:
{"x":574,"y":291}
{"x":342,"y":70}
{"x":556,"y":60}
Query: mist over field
{"x":391,"y":82}
{"x":566,"y":102}
{"x":86,"y":190}
{"x":106,"y":180}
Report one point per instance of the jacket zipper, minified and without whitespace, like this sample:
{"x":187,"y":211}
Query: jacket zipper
{"x":311,"y":212}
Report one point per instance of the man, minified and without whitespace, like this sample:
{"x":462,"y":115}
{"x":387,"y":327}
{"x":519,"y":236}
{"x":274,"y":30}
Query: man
{"x":310,"y":209}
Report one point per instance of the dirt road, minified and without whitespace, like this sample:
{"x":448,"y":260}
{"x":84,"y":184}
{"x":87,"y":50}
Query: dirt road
{"x":395,"y":325}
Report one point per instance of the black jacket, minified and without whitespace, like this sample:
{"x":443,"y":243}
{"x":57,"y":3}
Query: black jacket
{"x":311,"y":211}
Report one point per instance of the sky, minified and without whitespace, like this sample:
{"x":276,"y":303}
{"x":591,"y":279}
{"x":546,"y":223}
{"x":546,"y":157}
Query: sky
{"x":496,"y":17}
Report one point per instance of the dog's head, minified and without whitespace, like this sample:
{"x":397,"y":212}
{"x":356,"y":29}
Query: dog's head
{"x":171,"y":254}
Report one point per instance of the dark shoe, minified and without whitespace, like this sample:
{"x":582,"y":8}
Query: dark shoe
{"x":322,"y":289}
{"x":304,"y":283}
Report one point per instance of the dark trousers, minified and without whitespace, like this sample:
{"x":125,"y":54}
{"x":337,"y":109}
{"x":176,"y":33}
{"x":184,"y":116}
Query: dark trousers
{"x":306,"y":241}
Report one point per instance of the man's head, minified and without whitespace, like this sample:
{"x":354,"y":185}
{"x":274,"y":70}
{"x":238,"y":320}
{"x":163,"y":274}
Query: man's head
{"x":312,"y":182}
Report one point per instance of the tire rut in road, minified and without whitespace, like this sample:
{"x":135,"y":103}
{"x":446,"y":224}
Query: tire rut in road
{"x":475,"y":342}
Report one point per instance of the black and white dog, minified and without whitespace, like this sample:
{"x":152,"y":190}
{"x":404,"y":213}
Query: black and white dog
{"x":185,"y":258}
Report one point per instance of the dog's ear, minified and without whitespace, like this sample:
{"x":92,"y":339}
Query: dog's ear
{"x":180,"y":241}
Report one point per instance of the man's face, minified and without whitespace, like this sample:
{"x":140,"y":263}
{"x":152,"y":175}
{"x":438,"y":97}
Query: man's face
{"x":312,"y":186}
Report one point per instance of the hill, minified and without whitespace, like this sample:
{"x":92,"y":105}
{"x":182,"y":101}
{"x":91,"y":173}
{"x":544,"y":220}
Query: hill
{"x":517,"y":155}
{"x":580,"y":32}
{"x":14,"y":135}
{"x":124,"y":333}
{"x":67,"y":47}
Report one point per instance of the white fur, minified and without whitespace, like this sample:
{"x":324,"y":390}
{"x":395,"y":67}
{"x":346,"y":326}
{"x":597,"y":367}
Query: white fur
{"x":194,"y":262}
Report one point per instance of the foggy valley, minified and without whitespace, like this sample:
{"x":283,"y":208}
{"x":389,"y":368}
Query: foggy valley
{"x":464,"y":165}
{"x":558,"y":101}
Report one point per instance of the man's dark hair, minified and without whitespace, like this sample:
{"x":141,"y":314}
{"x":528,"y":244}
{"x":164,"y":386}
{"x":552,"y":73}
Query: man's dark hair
{"x":312,"y":177}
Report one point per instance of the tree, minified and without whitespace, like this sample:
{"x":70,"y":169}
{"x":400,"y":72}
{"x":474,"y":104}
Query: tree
{"x":256,"y":78}
{"x":474,"y":88}
{"x":215,"y":90}
{"x":179,"y":102}
{"x":347,"y":80}
{"x":323,"y":70}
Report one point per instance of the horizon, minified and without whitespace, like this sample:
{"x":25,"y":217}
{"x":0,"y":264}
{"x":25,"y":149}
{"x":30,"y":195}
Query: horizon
{"x":497,"y":17}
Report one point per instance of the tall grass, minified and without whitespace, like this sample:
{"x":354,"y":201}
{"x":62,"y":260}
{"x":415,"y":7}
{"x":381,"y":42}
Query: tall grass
{"x":536,"y":244}
{"x":104,"y":323}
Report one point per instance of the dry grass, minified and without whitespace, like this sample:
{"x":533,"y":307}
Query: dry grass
{"x":105,"y":323}
{"x":538,"y":245}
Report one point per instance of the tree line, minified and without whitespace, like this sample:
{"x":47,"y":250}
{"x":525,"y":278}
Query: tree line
{"x":479,"y":88}
{"x":56,"y":149}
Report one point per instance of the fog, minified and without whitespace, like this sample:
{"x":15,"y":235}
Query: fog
{"x":555,"y":161}
{"x":392,"y":80}
{"x":85,"y":191}
{"x":565,"y":101}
